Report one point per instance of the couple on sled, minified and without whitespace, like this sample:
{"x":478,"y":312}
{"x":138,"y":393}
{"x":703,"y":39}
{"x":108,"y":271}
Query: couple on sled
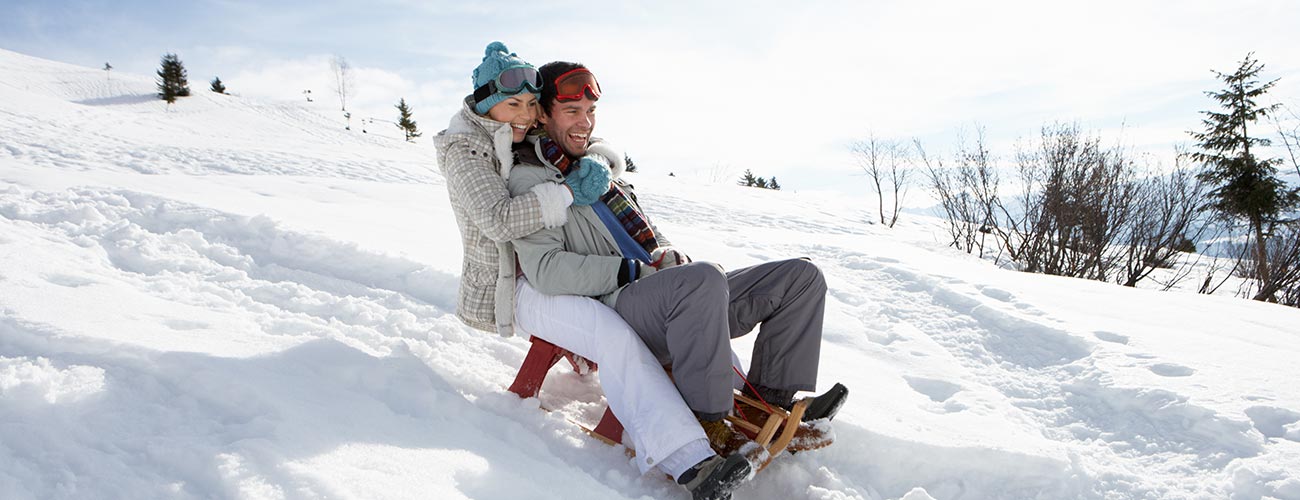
{"x":557,"y":246}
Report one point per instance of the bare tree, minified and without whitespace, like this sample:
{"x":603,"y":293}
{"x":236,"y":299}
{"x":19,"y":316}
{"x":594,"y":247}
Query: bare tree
{"x":888,"y":164}
{"x":720,"y":172}
{"x":341,"y":71}
{"x":968,"y":192}
{"x":1164,"y":224}
{"x":1082,"y":210}
{"x":1283,"y":251}
{"x":1074,"y":204}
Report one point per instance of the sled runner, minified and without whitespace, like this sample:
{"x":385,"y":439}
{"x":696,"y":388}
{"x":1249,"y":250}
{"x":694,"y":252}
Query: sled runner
{"x":541,"y":357}
{"x":763,"y":424}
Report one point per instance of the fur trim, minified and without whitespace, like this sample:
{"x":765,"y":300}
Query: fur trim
{"x":614,"y":156}
{"x":502,"y":140}
{"x":467,"y":122}
{"x":555,"y":200}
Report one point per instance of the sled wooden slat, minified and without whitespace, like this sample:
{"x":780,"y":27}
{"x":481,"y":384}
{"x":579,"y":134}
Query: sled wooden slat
{"x":739,"y":422}
{"x":774,"y":421}
{"x":792,"y":426}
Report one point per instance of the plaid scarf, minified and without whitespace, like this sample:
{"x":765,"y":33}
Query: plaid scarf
{"x":628,"y":214}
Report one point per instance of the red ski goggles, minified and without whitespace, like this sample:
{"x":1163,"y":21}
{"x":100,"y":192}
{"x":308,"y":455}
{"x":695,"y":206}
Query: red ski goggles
{"x":510,"y":81}
{"x":572,"y":85}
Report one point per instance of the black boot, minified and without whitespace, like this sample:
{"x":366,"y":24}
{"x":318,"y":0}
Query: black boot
{"x":827,"y":405}
{"x":715,"y":478}
{"x":824,"y":406}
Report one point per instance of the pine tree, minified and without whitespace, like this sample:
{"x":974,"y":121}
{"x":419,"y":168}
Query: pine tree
{"x":1245,"y":187}
{"x":631,"y":167}
{"x":172,"y":82}
{"x":108,"y":71}
{"x":217,"y":86}
{"x":771,"y":184}
{"x":748,"y":180}
{"x":760,"y":183}
{"x":404,"y":120}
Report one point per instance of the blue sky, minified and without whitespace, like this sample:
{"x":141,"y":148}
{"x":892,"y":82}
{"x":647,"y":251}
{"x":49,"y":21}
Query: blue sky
{"x":712,"y":88}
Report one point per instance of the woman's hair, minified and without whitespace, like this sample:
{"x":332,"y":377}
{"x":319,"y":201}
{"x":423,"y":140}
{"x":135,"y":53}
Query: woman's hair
{"x":549,"y":72}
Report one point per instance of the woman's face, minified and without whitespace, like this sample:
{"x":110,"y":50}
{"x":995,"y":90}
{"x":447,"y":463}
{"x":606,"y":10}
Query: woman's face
{"x":519,"y":110}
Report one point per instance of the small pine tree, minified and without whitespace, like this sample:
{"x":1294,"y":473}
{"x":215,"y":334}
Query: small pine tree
{"x":404,"y":120}
{"x":108,"y":69}
{"x":771,"y":184}
{"x":217,"y":86}
{"x":760,"y":183}
{"x":631,"y":167}
{"x":1245,"y":186}
{"x":748,"y":180}
{"x":172,"y":81}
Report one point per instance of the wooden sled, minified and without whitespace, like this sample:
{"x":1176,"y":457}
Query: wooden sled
{"x":528,"y":382}
{"x":767,"y":426}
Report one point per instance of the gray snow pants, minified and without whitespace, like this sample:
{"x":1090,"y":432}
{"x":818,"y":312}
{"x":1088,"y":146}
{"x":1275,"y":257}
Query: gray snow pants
{"x":688,"y":314}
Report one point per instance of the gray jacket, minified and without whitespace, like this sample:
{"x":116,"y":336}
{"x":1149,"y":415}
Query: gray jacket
{"x":579,"y":257}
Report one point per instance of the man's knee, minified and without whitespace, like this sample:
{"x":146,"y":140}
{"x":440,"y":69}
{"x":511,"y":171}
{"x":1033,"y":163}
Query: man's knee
{"x":703,"y":276}
{"x":807,"y":273}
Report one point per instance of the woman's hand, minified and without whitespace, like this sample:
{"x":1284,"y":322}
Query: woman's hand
{"x":589,"y":180}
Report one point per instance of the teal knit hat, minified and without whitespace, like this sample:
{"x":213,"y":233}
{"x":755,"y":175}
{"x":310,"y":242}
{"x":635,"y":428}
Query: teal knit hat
{"x":495,"y":59}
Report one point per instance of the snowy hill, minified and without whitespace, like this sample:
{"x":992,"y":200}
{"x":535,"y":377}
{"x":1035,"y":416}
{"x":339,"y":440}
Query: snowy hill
{"x":239,"y":299}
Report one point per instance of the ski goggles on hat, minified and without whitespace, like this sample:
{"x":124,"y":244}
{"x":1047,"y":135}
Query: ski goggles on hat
{"x":572,"y":85}
{"x":510,"y":81}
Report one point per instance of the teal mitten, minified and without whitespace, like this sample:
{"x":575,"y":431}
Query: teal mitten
{"x":589,"y":180}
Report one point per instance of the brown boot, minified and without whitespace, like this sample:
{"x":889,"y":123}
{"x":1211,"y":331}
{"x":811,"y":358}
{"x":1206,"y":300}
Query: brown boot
{"x":722,"y":438}
{"x":725,"y":441}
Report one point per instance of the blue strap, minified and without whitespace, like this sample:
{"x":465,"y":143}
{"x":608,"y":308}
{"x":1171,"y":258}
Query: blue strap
{"x":628,"y":246}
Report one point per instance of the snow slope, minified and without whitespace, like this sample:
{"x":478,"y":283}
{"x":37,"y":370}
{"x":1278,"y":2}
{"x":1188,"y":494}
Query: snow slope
{"x":234,"y":298}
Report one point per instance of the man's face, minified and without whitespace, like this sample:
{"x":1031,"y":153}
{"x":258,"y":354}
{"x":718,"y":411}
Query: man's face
{"x":570,"y":124}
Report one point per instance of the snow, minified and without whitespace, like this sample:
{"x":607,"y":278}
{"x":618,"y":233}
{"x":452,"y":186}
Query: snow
{"x":233,"y":298}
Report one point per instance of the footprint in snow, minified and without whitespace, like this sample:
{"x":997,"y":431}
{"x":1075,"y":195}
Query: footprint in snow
{"x":69,"y":280}
{"x":883,"y":338}
{"x":997,"y":294}
{"x":935,"y":389}
{"x":181,"y":324}
{"x":1275,"y":422}
{"x":1111,"y":337}
{"x":863,"y":266}
{"x":852,"y":299}
{"x":1171,"y":370}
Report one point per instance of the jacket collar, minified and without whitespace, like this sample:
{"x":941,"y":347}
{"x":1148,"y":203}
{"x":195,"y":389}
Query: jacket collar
{"x":467,"y":122}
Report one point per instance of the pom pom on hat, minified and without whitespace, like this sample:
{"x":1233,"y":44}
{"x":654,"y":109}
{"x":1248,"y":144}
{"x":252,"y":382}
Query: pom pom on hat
{"x":496,"y":57}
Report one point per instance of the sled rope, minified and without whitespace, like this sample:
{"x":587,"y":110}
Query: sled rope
{"x":751,"y":389}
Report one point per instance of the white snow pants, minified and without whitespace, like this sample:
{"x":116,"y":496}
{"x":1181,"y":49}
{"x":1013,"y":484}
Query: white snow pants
{"x":635,"y":384}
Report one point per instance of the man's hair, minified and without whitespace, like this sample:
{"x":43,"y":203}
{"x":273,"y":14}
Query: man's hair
{"x":549,"y":72}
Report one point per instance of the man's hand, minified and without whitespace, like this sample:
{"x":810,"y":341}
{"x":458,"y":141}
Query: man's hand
{"x":666,"y":257}
{"x":589,"y":179}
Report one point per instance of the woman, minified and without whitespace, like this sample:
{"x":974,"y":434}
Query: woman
{"x":474,"y":153}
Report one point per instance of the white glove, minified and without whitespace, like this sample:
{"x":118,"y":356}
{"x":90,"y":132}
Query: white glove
{"x":666,"y":257}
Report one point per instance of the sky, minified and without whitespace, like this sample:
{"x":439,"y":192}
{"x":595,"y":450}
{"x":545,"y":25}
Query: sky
{"x":711,"y":89}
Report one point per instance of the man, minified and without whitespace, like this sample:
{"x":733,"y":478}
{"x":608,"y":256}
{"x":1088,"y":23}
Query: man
{"x":686,"y":313}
